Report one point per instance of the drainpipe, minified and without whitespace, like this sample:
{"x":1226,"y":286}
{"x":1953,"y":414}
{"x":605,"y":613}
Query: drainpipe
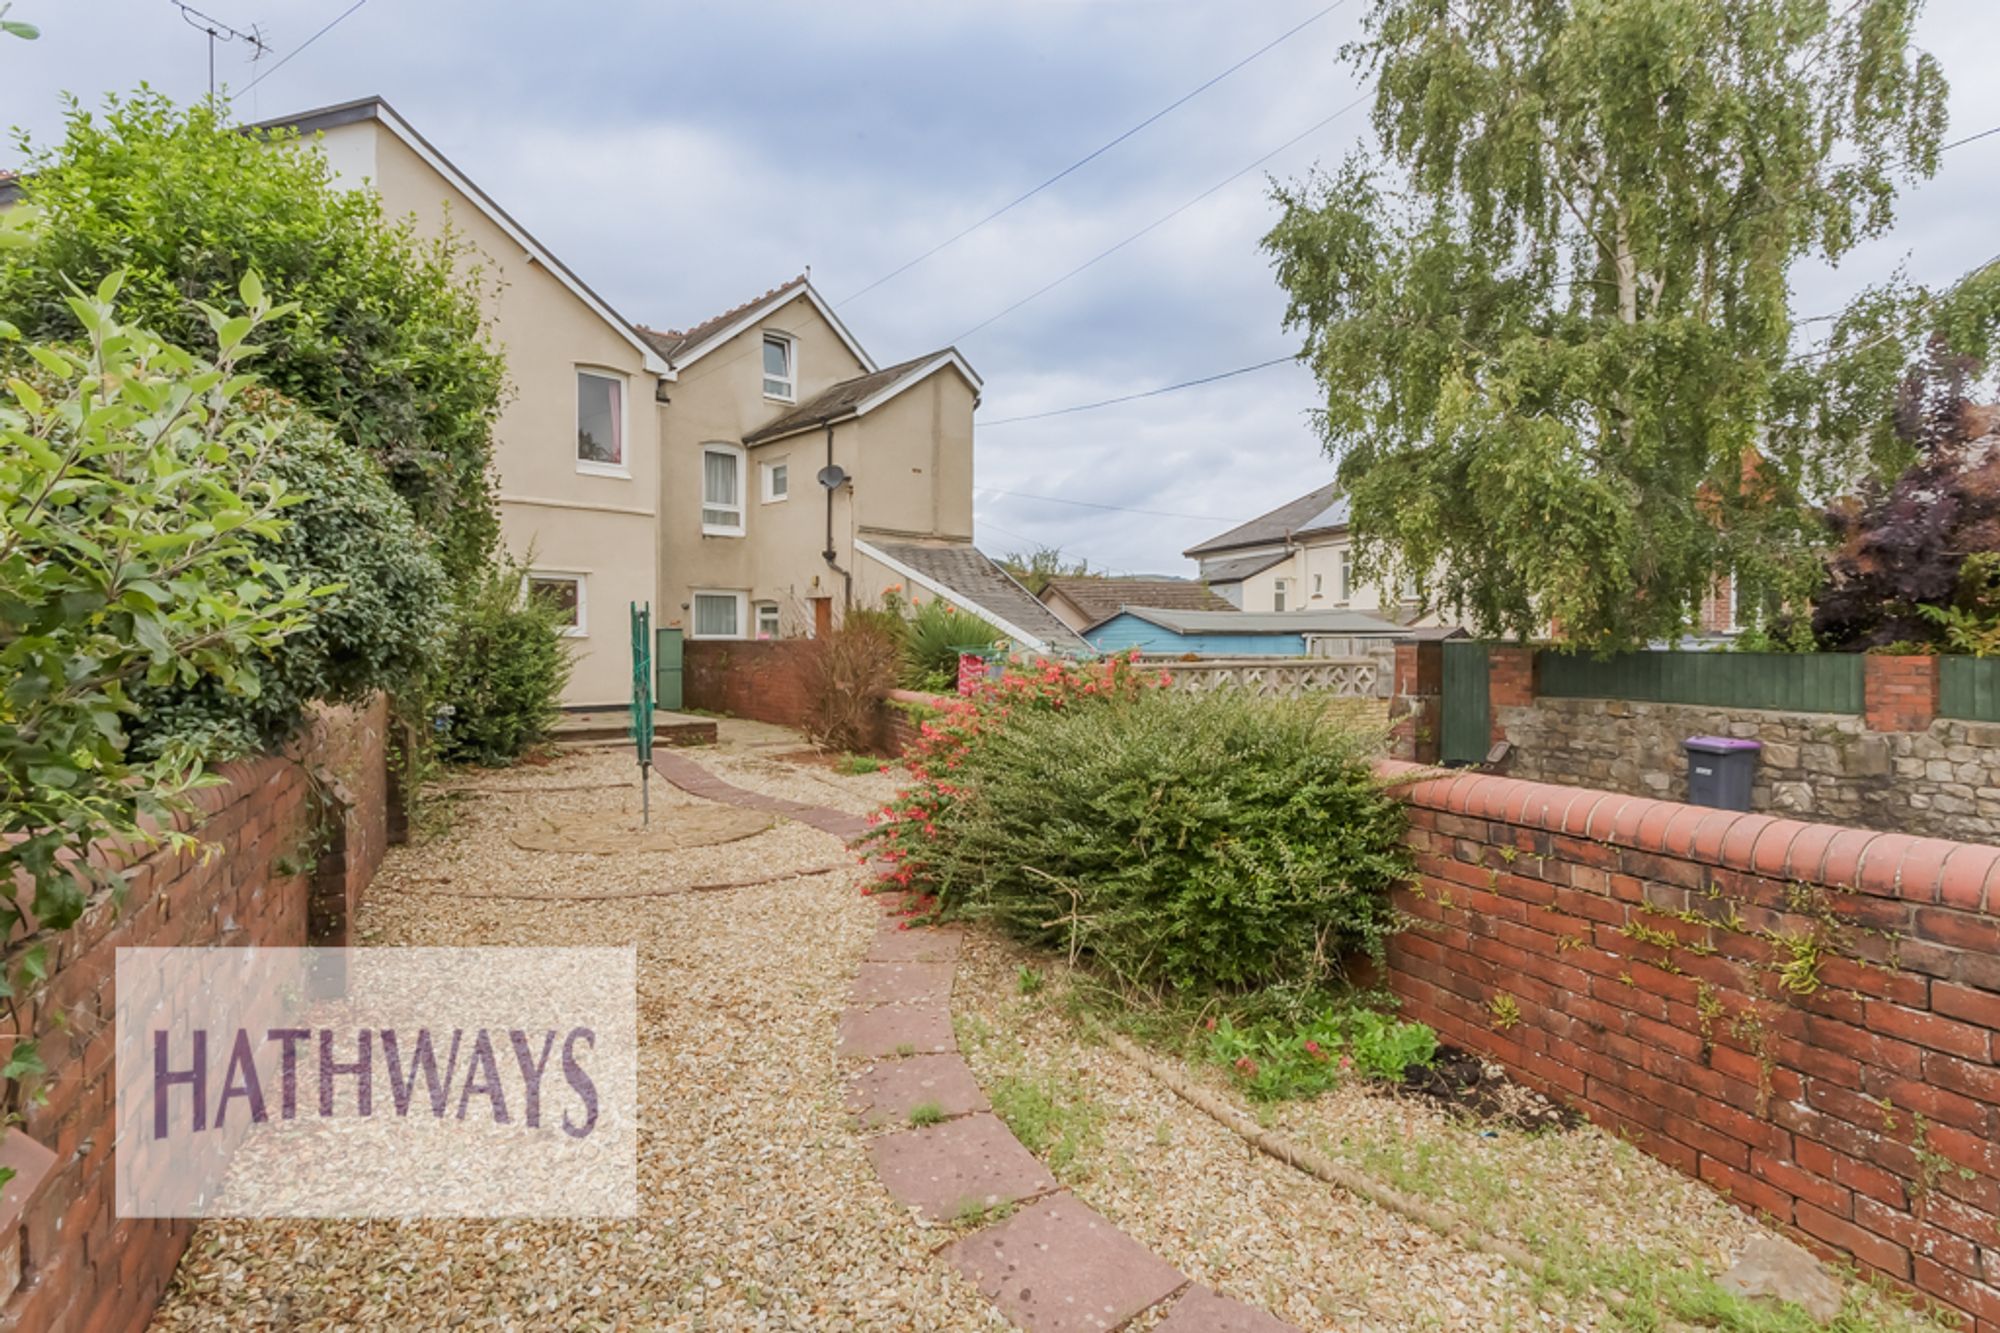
{"x":847,"y":598}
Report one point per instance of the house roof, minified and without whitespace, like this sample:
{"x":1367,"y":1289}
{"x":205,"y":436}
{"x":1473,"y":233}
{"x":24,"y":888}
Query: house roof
{"x":1265,"y":622}
{"x":376,"y":109}
{"x":1102,"y":598}
{"x":964,"y":575}
{"x":683,"y":347}
{"x":1243,"y":567}
{"x":863,"y":393}
{"x":1315,"y":511}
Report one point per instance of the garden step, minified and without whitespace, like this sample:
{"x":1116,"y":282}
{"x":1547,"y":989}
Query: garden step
{"x":946,"y":1170}
{"x":1200,"y":1310}
{"x":873,"y":1031}
{"x":1056,"y":1265}
{"x":886,"y":1093}
{"x":917,"y":944}
{"x":903,"y":982}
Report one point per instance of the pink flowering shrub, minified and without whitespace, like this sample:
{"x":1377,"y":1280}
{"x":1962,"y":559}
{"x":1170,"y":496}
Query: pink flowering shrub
{"x":1194,"y":842}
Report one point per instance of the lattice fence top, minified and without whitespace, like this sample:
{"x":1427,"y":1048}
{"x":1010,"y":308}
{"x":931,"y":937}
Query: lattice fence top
{"x":1285,"y":677}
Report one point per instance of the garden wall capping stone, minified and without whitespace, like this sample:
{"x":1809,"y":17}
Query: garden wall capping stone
{"x":1804,"y":1015}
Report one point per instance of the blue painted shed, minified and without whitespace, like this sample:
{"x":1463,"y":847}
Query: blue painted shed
{"x":1167,"y":633}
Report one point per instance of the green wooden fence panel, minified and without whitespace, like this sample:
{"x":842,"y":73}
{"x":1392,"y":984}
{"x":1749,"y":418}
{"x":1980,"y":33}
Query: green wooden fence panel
{"x":1969,"y":687}
{"x":1466,"y":722}
{"x":1794,"y":682}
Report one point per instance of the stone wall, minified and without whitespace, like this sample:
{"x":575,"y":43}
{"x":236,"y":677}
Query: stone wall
{"x":1622,"y":955}
{"x":291,"y":843}
{"x":1942,"y":781}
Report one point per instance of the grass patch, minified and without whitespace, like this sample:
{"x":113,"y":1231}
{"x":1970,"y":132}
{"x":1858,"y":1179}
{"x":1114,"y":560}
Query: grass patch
{"x":854,"y":765}
{"x":926,"y":1113}
{"x":1056,"y":1122}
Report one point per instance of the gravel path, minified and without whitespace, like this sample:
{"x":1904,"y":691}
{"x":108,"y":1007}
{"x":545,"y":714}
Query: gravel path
{"x":758,"y":1207}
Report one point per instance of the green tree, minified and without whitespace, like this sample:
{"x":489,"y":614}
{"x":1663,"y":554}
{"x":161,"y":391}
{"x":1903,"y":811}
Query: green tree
{"x":1035,"y":568}
{"x":389,"y":344}
{"x":1552,"y":342}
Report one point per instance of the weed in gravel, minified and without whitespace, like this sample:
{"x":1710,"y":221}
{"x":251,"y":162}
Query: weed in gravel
{"x":926,"y":1113}
{"x":854,"y":765}
{"x":976,"y":1213}
{"x":1057,"y":1122}
{"x":1029,"y":980}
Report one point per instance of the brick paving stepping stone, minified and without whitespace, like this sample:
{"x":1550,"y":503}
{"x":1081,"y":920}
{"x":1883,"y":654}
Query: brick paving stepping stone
{"x":1056,"y":1265}
{"x":917,"y":944}
{"x":886,"y":1029}
{"x":944,"y":1170}
{"x":903,"y":982}
{"x":1200,"y":1310}
{"x":886,"y":1093}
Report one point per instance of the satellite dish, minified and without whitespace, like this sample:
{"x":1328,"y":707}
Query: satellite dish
{"x":832,"y":477}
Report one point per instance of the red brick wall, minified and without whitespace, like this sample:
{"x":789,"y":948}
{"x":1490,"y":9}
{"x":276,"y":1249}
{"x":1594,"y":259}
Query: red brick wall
{"x":82,"y":1267}
{"x":1899,"y":693}
{"x":1623,"y":955}
{"x":1416,"y":710}
{"x":764,"y":680}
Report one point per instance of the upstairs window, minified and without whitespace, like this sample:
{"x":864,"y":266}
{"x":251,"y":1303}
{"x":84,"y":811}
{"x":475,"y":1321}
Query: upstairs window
{"x":722,"y":490}
{"x":1346,"y":574}
{"x":1278,"y":590}
{"x":779,"y":378}
{"x":600,"y":422}
{"x":777,"y":482}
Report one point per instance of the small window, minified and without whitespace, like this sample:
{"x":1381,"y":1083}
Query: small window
{"x":722,"y":490}
{"x":779,"y":379}
{"x":1278,"y":595}
{"x":600,"y":422}
{"x":1346,"y":575}
{"x":777,"y":482}
{"x":767,"y":620}
{"x":564,"y":592}
{"x":718,"y":615}
{"x":1319,"y":584}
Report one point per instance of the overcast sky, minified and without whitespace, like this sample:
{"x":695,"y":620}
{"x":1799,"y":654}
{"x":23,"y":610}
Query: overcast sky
{"x":683,"y":157}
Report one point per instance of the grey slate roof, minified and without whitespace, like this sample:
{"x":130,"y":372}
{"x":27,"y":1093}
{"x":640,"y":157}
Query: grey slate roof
{"x":670,"y":343}
{"x":838,"y":401}
{"x":1315,"y":511}
{"x":1235,"y":571}
{"x":967,"y":571}
{"x":1267,"y":622}
{"x":1101,"y":598}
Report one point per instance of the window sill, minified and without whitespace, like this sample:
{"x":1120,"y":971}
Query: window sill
{"x":775,"y":499}
{"x":573,"y":632}
{"x":707,"y":531}
{"x":791,"y":401}
{"x":717,"y":638}
{"x":589,"y":469}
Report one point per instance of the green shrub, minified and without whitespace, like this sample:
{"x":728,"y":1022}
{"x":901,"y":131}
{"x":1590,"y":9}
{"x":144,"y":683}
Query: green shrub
{"x":1196,"y":842}
{"x":501,"y":671}
{"x":933,"y":636}
{"x":389,"y":343}
{"x":378,"y":629}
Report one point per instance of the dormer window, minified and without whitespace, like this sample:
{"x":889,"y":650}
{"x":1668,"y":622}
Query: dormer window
{"x":780,"y":367}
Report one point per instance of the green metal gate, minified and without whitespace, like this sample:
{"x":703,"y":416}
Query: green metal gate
{"x":667,"y":670}
{"x":1466,"y":723}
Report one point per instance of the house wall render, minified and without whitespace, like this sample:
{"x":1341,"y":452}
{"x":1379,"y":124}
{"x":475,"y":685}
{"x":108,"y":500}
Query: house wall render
{"x":1802,"y":1015}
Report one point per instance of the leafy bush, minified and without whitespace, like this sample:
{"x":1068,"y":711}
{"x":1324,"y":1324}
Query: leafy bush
{"x":1196,"y":842}
{"x":933,"y":636}
{"x":1273,"y":1060}
{"x":378,"y":629}
{"x":852,"y":667}
{"x":135,"y":521}
{"x":501,"y":671}
{"x":388,"y":344}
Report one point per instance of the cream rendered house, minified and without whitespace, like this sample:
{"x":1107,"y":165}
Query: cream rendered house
{"x":577,"y":446}
{"x":683,"y":469}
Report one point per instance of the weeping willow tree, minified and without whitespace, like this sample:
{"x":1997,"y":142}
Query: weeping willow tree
{"x":1551,"y":318}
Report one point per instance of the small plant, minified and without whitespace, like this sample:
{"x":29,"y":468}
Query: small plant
{"x":1029,"y":980}
{"x":1506,"y":1011}
{"x":905,"y":1048}
{"x":1797,"y":962}
{"x":1274,"y":1059}
{"x":926,"y":1113}
{"x":977,"y":1212}
{"x":854,"y":765}
{"x":1058,"y":1124}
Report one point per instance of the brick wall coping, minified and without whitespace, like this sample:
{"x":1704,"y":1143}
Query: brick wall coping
{"x":1959,"y":875}
{"x":920,"y":697}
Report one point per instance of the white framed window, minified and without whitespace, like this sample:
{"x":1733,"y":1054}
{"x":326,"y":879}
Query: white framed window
{"x":722,"y":490}
{"x":1279,"y":588}
{"x":1319,"y":586}
{"x":767,"y":620}
{"x":1346,"y":575}
{"x":718,"y":614}
{"x":781,"y":371}
{"x":777,"y":481}
{"x":600,"y":424}
{"x":565,"y":592}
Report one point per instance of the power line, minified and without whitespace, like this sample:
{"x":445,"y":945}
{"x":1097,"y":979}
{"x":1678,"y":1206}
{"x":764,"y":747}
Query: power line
{"x":1970,"y":138}
{"x":1116,"y":509}
{"x":1093,"y":155}
{"x":303,"y":45}
{"x":1149,"y":393}
{"x":1048,"y":287}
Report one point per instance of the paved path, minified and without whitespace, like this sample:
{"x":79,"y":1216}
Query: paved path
{"x":1048,"y":1262}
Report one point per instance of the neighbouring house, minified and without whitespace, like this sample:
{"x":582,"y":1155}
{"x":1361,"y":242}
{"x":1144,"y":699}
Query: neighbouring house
{"x":750,"y":476}
{"x":1300,"y":557}
{"x":1242,"y":633}
{"x":1083,"y":600}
